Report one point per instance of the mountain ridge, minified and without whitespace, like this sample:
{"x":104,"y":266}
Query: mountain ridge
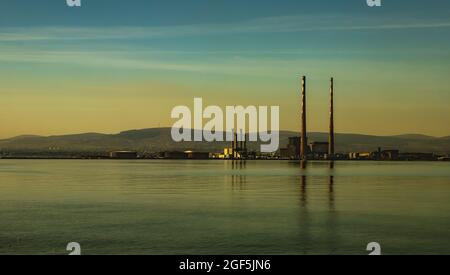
{"x":166,"y":128}
{"x":159,"y":139}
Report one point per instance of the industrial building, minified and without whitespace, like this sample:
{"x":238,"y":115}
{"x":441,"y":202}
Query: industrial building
{"x":361,"y":156}
{"x":174,"y":155}
{"x":186,"y":155}
{"x":315,"y":150}
{"x":418,"y":157}
{"x":319,"y":150}
{"x":294,"y":147}
{"x":123,"y":155}
{"x":197,"y":155}
{"x":238,"y":149}
{"x":375,"y":155}
{"x":392,"y":155}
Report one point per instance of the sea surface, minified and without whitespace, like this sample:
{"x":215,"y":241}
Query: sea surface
{"x":222,"y":207}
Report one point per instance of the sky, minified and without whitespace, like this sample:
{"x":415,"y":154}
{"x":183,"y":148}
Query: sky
{"x":113,"y":65}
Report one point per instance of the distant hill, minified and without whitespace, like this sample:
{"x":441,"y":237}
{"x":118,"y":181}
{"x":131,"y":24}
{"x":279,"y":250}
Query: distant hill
{"x":159,"y":139}
{"x":415,"y":136}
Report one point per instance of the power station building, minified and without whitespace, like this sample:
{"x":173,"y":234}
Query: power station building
{"x":298,"y":147}
{"x":314,"y":150}
{"x":238,"y":149}
{"x":319,"y":149}
{"x":293,"y":148}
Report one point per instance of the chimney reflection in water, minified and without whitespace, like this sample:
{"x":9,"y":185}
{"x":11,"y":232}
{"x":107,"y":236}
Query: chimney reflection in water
{"x":238,"y":180}
{"x":304,"y":186}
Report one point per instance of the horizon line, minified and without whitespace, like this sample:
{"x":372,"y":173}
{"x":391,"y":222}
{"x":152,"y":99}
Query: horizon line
{"x":191,"y":129}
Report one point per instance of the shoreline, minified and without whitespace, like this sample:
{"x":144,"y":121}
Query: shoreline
{"x":230,"y":160}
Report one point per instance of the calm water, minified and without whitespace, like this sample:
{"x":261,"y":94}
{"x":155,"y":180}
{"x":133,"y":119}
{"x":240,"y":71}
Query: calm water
{"x":215,"y":207}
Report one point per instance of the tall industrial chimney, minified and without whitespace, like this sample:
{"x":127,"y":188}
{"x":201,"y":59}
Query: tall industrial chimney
{"x":235,"y":155}
{"x":245,"y":144}
{"x":331,"y":137}
{"x":241,"y":143}
{"x":233,"y":145}
{"x":304,"y":141}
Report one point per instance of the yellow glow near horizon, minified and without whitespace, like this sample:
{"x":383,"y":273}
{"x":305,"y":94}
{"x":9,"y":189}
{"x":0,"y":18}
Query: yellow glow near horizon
{"x":146,"y":105}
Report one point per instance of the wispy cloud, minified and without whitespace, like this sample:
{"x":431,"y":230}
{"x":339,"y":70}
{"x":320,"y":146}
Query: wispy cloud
{"x":280,"y":24}
{"x":124,"y":61}
{"x":102,"y":59}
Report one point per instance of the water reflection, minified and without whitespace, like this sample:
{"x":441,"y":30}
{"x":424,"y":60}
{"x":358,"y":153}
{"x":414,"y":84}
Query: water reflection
{"x":238,"y":179}
{"x":304,"y":184}
{"x":331,"y":194}
{"x":146,"y":203}
{"x":306,"y":233}
{"x":303,"y":164}
{"x":303,"y":194}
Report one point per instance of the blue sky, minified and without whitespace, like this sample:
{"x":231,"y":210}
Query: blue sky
{"x":385,"y":60}
{"x":163,"y":13}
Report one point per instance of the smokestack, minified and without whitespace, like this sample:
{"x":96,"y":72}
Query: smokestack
{"x":303,"y":136}
{"x":241,"y":143}
{"x":331,"y":138}
{"x":233,"y":145}
{"x":245,"y":143}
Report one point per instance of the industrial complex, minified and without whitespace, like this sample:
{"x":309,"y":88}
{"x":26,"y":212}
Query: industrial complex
{"x":298,"y":147}
{"x":304,"y":146}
